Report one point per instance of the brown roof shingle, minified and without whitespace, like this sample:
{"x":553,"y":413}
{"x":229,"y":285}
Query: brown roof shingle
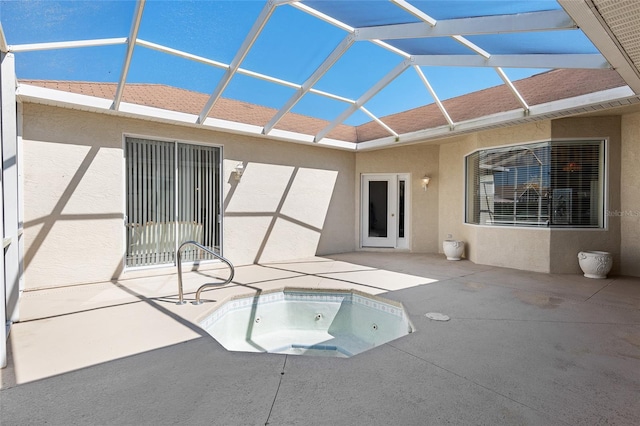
{"x":538,"y":89}
{"x":541,"y":88}
{"x":181,"y":100}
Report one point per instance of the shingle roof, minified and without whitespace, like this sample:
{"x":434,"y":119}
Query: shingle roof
{"x":181,"y":100}
{"x":538,"y":89}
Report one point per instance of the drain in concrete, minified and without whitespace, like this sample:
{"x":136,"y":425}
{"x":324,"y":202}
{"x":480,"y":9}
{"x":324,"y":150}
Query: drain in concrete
{"x":436,"y":316}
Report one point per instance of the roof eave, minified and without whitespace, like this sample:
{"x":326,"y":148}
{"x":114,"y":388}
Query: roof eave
{"x":619,"y":96}
{"x":58,"y":98}
{"x":593,"y":25}
{"x":610,"y":98}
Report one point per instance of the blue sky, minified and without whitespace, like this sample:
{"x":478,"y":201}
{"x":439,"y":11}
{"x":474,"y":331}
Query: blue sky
{"x":290,"y":47}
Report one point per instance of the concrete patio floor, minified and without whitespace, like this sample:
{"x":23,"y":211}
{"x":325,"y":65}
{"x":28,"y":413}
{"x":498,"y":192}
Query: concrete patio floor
{"x":520,"y":348}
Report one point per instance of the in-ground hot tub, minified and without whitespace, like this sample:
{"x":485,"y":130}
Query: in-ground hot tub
{"x":338,"y":323}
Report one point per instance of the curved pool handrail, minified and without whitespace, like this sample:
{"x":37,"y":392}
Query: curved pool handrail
{"x":181,"y":300}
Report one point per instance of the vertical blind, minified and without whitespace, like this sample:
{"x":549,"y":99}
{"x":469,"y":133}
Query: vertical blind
{"x":557,"y":184}
{"x":172,"y":196}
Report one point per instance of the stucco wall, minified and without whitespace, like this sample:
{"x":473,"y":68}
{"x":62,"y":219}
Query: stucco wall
{"x":541,"y":250}
{"x":566,"y":244}
{"x":452,"y":197}
{"x":518,"y":248}
{"x":630,"y":196}
{"x":296,"y":200}
{"x":293,"y":201}
{"x":534,"y":249}
{"x":417,"y":160}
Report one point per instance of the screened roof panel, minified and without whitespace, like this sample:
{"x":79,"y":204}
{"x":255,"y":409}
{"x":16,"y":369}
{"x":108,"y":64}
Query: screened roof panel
{"x":213,"y":29}
{"x":313,"y":105}
{"x":443,"y":9}
{"x":292,"y":45}
{"x":553,"y":42}
{"x":520,"y":73}
{"x":431,"y":46}
{"x":357,"y":118}
{"x":408,"y":86}
{"x":150,"y":65}
{"x":362,"y":13}
{"x":361,"y":67}
{"x":256,"y":91}
{"x":300,"y":57}
{"x":102,"y":63}
{"x":475,"y":79}
{"x":48,"y":21}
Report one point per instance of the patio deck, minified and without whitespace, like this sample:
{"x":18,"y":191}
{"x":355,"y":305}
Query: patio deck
{"x":520,"y":348}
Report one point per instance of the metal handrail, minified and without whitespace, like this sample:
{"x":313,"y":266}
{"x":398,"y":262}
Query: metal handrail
{"x":181,"y":300}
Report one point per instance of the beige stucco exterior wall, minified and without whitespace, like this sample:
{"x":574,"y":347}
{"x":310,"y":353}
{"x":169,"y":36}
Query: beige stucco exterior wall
{"x":416,"y":160}
{"x":630,"y":195}
{"x":293,"y":201}
{"x":519,"y":248}
{"x":566,"y":244}
{"x":296,"y":200}
{"x":452,"y":196}
{"x":541,"y":250}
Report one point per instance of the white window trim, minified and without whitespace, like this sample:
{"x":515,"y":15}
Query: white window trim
{"x":605,"y":186}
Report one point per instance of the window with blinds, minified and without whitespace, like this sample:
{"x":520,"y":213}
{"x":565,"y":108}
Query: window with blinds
{"x":173,"y":195}
{"x":548,"y":184}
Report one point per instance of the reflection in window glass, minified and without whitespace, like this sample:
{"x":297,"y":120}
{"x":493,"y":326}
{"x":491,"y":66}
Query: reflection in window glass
{"x":557,"y":184}
{"x":378,"y":196}
{"x":401,"y":189}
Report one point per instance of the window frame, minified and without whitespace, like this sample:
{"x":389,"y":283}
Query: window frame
{"x":470,"y":194}
{"x":220,"y":201}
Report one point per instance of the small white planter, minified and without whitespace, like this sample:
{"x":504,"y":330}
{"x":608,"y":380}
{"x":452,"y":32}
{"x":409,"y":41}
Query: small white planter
{"x":453,"y":249}
{"x":595,"y":264}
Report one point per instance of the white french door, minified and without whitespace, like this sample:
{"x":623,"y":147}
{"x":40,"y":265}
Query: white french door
{"x":384,"y":210}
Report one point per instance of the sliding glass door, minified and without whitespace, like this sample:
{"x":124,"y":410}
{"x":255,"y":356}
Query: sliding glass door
{"x":173,"y":195}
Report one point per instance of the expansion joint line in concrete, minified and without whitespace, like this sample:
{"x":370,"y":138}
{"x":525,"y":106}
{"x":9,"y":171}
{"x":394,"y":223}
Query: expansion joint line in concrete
{"x":284,"y":364}
{"x":599,"y":290}
{"x":332,"y":276}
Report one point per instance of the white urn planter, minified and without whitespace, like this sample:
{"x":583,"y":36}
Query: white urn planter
{"x":595,"y":264}
{"x":453,"y":249}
